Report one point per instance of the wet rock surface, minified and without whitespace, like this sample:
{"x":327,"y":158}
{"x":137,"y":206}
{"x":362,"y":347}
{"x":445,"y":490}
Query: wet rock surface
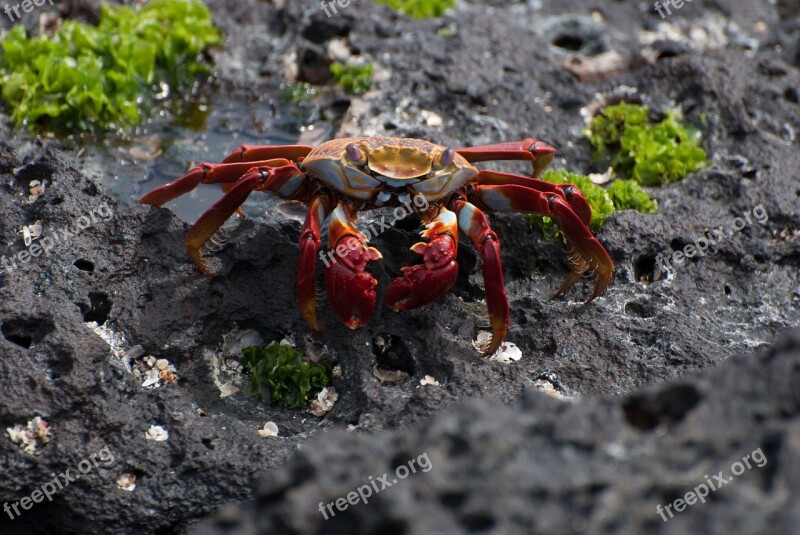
{"x":485,"y":72}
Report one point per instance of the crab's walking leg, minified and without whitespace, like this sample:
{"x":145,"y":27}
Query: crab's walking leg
{"x":318,"y":210}
{"x":351,"y":290}
{"x":473,"y":223}
{"x":252,"y":153}
{"x":206,"y":173}
{"x":283,"y":178}
{"x":569,"y":192}
{"x":424,"y":283}
{"x":584,"y":251}
{"x":256,"y":154}
{"x":539,"y":153}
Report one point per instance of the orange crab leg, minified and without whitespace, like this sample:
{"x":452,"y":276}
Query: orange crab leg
{"x":351,"y":290}
{"x":424,"y":283}
{"x":569,"y":192}
{"x":205,"y":173}
{"x":539,"y":153}
{"x":584,"y":250}
{"x":252,"y":153}
{"x":258,"y":178}
{"x":473,"y":223}
{"x":318,"y":210}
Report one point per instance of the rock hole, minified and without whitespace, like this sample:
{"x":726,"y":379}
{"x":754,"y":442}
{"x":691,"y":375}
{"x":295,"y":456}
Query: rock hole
{"x":26,"y":332}
{"x":670,"y":405}
{"x":458,"y":446}
{"x":727,"y":289}
{"x":387,"y":526}
{"x":646,"y":269}
{"x":677,"y":244}
{"x":478,"y":521}
{"x":392,"y":354}
{"x":568,"y":42}
{"x":98,"y":308}
{"x":402,"y":458}
{"x":639,"y":310}
{"x":84,"y":265}
{"x":60,"y":364}
{"x":453,"y":499}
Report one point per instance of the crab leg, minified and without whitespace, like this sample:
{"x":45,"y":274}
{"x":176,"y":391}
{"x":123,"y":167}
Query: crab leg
{"x":252,"y":153}
{"x":539,"y":153}
{"x":569,"y":192}
{"x":351,"y":290}
{"x":473,"y":223}
{"x":318,"y":210}
{"x":424,"y":283}
{"x":584,"y":250}
{"x":258,"y":178}
{"x":206,"y":173}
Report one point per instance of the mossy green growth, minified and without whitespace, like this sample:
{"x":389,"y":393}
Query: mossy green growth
{"x":620,"y":195}
{"x":104,"y":75}
{"x":628,"y":195}
{"x":299,"y":92}
{"x":420,"y":9}
{"x":355,"y":79}
{"x":651,"y":153}
{"x":278,"y":375}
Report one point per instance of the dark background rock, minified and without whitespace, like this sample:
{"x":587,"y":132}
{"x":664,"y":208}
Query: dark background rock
{"x":545,"y":466}
{"x":507,"y":71}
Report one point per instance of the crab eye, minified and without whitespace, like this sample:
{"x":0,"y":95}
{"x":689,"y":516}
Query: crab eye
{"x":447,"y":157}
{"x":353,"y":152}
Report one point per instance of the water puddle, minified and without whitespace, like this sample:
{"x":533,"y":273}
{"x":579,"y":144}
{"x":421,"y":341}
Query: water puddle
{"x":167,"y":146}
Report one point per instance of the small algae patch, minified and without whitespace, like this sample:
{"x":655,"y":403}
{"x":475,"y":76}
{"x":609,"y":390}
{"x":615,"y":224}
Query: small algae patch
{"x":279,"y":376}
{"x":651,"y":153}
{"x":420,"y":9}
{"x":354,"y":79}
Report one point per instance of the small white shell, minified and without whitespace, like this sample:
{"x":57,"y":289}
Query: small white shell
{"x":270,"y":430}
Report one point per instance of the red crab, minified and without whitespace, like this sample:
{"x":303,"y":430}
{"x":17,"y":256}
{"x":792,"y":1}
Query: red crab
{"x":341,"y":177}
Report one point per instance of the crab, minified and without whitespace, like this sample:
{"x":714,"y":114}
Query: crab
{"x":341,"y":177}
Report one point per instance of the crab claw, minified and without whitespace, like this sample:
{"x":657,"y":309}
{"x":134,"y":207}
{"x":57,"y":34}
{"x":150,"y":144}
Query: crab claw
{"x":543,"y":155}
{"x":422,"y":284}
{"x":351,"y":290}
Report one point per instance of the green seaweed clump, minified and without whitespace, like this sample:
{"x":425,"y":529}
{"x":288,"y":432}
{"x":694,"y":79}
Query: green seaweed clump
{"x":420,"y":9}
{"x":620,"y":195}
{"x":651,"y":153}
{"x":278,"y":375}
{"x":354,"y":79}
{"x":104,"y":75}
